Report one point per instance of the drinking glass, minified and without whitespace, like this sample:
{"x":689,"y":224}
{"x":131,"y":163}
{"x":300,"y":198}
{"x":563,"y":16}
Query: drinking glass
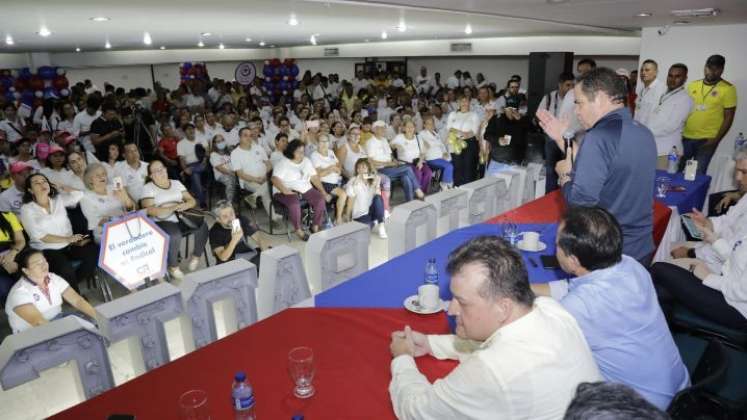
{"x":301,"y":368}
{"x":510,"y":232}
{"x":193,"y":405}
{"x":662,"y":186}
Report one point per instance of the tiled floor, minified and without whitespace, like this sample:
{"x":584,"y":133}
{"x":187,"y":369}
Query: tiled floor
{"x":56,"y":389}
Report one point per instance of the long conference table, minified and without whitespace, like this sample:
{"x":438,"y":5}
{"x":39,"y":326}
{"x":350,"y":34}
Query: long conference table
{"x":349,"y":329}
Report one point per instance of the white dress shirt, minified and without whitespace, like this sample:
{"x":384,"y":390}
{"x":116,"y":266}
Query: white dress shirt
{"x":38,"y":223}
{"x":729,"y":228}
{"x":528,"y":369}
{"x":251,"y":162}
{"x":668,"y":119}
{"x":647,"y":100}
{"x":82,"y":123}
{"x":551,"y":103}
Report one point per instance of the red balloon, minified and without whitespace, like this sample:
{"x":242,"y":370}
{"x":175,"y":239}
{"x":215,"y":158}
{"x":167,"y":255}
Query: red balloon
{"x":275,"y":62}
{"x":20,"y":85}
{"x":198,"y":71}
{"x":60,"y":82}
{"x":38,"y":102}
{"x":36,"y":83}
{"x":2,"y":90}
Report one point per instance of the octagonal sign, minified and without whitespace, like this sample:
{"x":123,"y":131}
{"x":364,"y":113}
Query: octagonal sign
{"x":133,"y":248}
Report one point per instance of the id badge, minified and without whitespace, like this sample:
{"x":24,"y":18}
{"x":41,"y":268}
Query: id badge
{"x":701,"y":107}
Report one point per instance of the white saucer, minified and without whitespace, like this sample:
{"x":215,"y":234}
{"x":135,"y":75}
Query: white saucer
{"x":412,"y":304}
{"x":542,"y":247}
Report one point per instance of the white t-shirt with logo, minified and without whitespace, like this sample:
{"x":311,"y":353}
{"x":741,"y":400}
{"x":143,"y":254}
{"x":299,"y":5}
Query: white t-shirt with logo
{"x":11,"y":200}
{"x":407,"y":150}
{"x":186,"y":149}
{"x":27,"y":292}
{"x":133,"y":179}
{"x":162,"y":196}
{"x":218,"y":159}
{"x":362,"y":194}
{"x":320,"y":161}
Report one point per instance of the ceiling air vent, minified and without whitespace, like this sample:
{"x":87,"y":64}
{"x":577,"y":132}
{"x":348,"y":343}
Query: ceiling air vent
{"x":461,"y":47}
{"x":331,"y":52}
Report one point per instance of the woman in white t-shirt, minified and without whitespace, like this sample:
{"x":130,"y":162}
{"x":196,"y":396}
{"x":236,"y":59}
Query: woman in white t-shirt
{"x":113,"y":156}
{"x":463,"y":125}
{"x":37,"y":296}
{"x":101,"y":202}
{"x":350,"y":152}
{"x":220,"y":160}
{"x":364,"y":197}
{"x":408,"y":151}
{"x":436,"y":153}
{"x":296,"y":176}
{"x":329,"y":170}
{"x":337,"y":135}
{"x":163,"y":199}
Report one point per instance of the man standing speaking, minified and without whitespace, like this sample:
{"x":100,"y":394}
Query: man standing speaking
{"x":615,"y":165}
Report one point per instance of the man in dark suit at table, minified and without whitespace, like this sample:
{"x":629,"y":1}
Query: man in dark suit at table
{"x":615,"y":165}
{"x":520,"y":356}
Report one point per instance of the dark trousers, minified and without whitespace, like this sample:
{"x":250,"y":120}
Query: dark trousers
{"x":174,"y":230}
{"x":6,"y":282}
{"x":293,"y":204}
{"x":375,"y":212}
{"x":714,"y":199}
{"x":195,"y":182}
{"x":61,"y":262}
{"x":696,"y":148}
{"x":465,"y":163}
{"x":675,"y":285}
{"x":553,"y":155}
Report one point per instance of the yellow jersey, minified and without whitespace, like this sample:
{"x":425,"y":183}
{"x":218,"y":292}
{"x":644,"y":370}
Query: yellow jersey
{"x":15,"y":225}
{"x":709,"y":102}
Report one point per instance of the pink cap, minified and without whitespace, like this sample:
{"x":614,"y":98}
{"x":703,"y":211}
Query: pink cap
{"x":55,"y":149}
{"x":42,"y":151}
{"x":19,"y":166}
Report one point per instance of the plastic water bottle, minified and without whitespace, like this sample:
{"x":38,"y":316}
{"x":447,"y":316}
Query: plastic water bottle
{"x":739,"y":142}
{"x":242,"y":396}
{"x":431,"y":272}
{"x":672,"y":161}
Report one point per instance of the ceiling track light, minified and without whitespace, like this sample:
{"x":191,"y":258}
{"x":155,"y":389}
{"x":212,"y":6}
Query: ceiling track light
{"x":262,"y":43}
{"x":162,"y":47}
{"x":77,"y":49}
{"x":147,"y":40}
{"x":44,"y":32}
{"x":200,"y":44}
{"x":9,"y":40}
{"x":108,"y":45}
{"x":384,"y":35}
{"x":248,"y":39}
{"x":221,"y":46}
{"x":644,"y":14}
{"x":293,"y":20}
{"x":468,"y":29}
{"x":99,"y":19}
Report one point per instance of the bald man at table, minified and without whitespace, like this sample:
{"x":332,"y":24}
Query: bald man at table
{"x":520,"y":357}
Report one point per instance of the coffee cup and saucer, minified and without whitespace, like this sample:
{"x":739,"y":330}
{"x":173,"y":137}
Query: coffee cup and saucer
{"x":426,"y":301}
{"x":530,"y":242}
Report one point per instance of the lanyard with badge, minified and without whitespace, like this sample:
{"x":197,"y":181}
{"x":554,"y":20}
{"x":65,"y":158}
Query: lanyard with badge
{"x":667,"y":96}
{"x":702,"y":107}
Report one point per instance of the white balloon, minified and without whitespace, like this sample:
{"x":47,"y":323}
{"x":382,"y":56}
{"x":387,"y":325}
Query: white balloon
{"x":39,"y":94}
{"x":64,"y":92}
{"x":17,"y":95}
{"x":14,"y":73}
{"x":60,"y":71}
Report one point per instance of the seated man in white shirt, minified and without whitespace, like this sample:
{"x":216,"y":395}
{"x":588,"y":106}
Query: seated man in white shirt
{"x":132,"y":172}
{"x":251,"y":163}
{"x":520,"y":357}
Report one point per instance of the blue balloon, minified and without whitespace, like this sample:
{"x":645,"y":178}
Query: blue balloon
{"x":284,"y":70}
{"x":294,"y":70}
{"x":27,"y":97}
{"x":50,"y":92}
{"x":47,"y":72}
{"x":24,"y":73}
{"x":187,"y":66}
{"x":277,"y":71}
{"x":283,"y":85}
{"x":267,"y":71}
{"x":7,"y":82}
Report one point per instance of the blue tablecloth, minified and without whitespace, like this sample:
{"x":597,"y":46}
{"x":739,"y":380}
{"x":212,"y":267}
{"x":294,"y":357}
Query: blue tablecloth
{"x":694,"y":195}
{"x":388,"y":285}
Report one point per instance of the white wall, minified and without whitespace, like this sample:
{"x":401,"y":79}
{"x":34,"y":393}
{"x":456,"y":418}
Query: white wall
{"x":692,"y":46}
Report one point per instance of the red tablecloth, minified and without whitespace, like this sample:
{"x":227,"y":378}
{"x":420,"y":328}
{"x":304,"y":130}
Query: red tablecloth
{"x":549,"y":208}
{"x":352,"y":357}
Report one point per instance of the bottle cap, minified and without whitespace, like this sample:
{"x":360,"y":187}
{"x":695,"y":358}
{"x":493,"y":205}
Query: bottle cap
{"x":240,"y":377}
{"x":297,"y":417}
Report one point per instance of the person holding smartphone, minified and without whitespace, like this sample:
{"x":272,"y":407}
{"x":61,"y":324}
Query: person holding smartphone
{"x":228,"y":236}
{"x":101,"y":202}
{"x":365,"y":204}
{"x":45,"y":219}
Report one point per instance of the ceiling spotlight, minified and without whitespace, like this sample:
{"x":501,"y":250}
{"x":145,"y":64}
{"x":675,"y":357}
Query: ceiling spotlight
{"x":248,"y":39}
{"x":313,"y":39}
{"x":645,"y":14}
{"x":44,"y":32}
{"x":108,"y":45}
{"x":146,"y":39}
{"x":262,"y":43}
{"x":384,"y":35}
{"x":205,"y":34}
{"x":99,"y":19}
{"x":77,"y":49}
{"x":293,"y":21}
{"x":221,"y":46}
{"x":162,"y":47}
{"x":468,"y":29}
{"x":9,"y":40}
{"x":200,"y":44}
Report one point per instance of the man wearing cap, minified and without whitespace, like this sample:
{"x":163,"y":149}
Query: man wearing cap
{"x":12,"y":198}
{"x":649,"y":92}
{"x":714,"y":106}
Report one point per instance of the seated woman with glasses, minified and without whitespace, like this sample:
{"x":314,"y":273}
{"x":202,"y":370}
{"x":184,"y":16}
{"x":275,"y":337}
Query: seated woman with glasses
{"x":164,"y":199}
{"x":101,"y":202}
{"x":47,"y":223}
{"x":296,"y":176}
{"x":37,"y":296}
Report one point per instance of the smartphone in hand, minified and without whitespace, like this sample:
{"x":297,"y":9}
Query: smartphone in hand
{"x":235,"y":225}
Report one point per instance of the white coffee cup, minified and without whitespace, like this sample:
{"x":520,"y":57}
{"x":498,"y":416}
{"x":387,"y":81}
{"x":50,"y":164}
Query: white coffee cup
{"x":428,"y":296}
{"x":530,"y":240}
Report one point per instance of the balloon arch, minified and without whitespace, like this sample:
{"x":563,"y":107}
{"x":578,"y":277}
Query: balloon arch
{"x":26,"y":88}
